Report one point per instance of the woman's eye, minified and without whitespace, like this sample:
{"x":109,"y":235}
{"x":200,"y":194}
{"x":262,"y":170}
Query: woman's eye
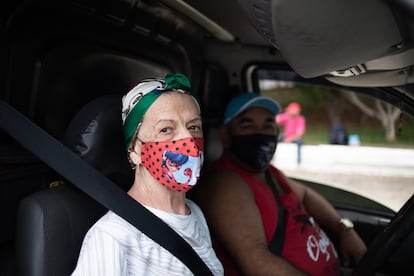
{"x":165,"y":130}
{"x":195,"y":128}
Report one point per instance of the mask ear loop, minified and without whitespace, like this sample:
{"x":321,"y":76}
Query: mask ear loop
{"x":132,"y":145}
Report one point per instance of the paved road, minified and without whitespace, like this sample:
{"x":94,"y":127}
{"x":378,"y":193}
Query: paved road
{"x":383,"y":174}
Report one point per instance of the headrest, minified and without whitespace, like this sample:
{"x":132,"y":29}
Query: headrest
{"x":95,"y":134}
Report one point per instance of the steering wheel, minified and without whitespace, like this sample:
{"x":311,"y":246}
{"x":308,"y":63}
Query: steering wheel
{"x":388,"y":241}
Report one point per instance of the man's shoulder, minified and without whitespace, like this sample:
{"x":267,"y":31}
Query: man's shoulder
{"x":217,"y":174}
{"x":221,"y":187}
{"x":221,"y":179}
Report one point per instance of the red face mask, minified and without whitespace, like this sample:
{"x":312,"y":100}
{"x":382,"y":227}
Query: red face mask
{"x":175,"y":164}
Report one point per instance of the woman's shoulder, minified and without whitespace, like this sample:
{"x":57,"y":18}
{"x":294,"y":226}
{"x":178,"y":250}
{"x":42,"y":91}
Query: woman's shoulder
{"x":114,"y":226}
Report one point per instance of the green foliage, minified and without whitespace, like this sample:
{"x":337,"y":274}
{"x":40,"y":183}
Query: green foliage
{"x":307,"y":95}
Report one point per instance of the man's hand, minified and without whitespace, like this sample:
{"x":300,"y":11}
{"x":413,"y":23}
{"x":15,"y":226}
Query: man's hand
{"x":352,"y":248}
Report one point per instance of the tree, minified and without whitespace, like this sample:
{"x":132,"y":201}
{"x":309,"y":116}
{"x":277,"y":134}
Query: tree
{"x":384,"y":112}
{"x":330,"y":100}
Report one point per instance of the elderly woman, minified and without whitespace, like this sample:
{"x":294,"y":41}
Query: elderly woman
{"x":164,"y":139}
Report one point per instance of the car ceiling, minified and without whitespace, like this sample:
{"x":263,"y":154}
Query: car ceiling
{"x":230,"y":15}
{"x":352,"y":43}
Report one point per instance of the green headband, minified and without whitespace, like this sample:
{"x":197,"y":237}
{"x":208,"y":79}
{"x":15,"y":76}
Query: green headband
{"x":135,"y":116}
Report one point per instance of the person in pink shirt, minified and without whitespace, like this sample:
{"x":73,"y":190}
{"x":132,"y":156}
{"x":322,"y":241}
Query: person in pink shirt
{"x":294,"y":126}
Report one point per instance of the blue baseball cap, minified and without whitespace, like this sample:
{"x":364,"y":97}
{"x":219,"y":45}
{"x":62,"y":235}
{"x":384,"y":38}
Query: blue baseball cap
{"x":248,"y":100}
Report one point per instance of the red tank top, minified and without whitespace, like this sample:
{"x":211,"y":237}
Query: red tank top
{"x":306,"y":246}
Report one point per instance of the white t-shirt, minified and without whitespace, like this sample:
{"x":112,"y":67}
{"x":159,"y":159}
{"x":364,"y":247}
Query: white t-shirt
{"x":113,"y":246}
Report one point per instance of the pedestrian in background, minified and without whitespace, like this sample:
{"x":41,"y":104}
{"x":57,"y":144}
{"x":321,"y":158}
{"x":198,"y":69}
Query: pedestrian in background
{"x":294,"y":126}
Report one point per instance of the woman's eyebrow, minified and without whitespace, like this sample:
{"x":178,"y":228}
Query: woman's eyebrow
{"x":172,"y":121}
{"x":163,"y":121}
{"x":197,"y":119}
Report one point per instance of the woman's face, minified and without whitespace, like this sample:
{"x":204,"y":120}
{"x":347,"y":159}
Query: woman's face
{"x":172,"y":116}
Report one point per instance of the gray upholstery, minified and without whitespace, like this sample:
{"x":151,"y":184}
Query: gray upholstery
{"x":51,"y":223}
{"x":51,"y":227}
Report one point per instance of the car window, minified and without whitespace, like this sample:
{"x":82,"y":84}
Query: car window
{"x":352,"y":141}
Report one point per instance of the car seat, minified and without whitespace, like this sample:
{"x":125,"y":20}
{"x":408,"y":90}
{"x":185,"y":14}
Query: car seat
{"x":51,"y":223}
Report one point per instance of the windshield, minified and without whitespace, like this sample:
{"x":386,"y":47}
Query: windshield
{"x":351,"y":141}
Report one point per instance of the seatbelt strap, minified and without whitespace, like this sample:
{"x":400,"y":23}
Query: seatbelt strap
{"x":91,"y":181}
{"x":276,"y":244}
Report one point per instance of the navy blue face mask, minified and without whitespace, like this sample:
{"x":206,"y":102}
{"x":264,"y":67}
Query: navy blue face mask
{"x":254,"y":150}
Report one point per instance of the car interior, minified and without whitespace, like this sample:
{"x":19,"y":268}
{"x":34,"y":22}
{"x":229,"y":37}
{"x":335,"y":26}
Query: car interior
{"x":65,"y":212}
{"x":66,"y":64}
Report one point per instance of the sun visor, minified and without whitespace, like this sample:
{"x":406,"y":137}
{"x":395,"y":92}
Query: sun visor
{"x":391,"y":70}
{"x":379,"y":79}
{"x":322,"y":36}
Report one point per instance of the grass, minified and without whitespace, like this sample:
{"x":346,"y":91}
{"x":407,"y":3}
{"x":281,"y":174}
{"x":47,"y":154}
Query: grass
{"x":368,"y":136}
